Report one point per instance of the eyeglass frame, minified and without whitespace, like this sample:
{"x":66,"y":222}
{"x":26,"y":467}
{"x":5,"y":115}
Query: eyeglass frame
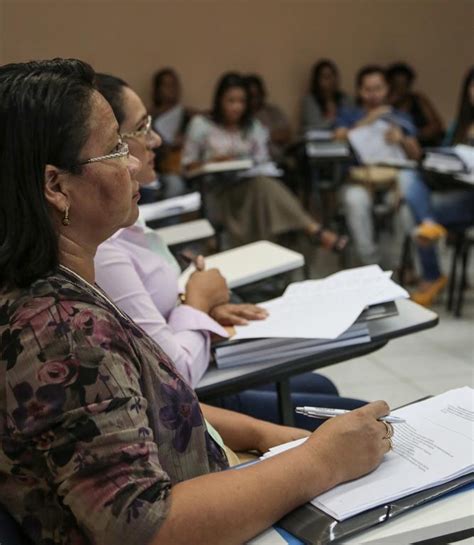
{"x":124,"y":152}
{"x":145,"y":132}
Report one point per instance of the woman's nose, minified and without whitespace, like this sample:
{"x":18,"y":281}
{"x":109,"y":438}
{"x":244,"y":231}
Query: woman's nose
{"x":134,"y":165}
{"x":154,"y":140}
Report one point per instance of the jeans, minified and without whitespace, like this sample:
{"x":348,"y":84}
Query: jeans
{"x":309,"y":389}
{"x":450,"y":209}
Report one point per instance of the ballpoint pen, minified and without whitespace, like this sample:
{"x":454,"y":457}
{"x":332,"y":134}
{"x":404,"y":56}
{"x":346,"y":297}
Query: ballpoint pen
{"x":323,"y":413}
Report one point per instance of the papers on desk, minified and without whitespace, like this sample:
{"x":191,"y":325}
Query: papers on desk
{"x":466,"y":153}
{"x":323,"y":309}
{"x":280,"y":350}
{"x":450,"y":160}
{"x":434,"y":446}
{"x":249,"y":263}
{"x":311,"y":317}
{"x":370,"y":146}
{"x":191,"y":202}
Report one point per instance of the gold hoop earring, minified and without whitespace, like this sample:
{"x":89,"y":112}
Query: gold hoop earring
{"x":66,"y":216}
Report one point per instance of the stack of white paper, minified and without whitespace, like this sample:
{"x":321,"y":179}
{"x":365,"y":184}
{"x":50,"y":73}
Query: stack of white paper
{"x":371,"y":147}
{"x":323,"y":309}
{"x":443,"y":160}
{"x":435,"y":445}
{"x":284,"y":349}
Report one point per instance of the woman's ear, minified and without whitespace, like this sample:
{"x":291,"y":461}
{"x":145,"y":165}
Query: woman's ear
{"x":55,"y":190}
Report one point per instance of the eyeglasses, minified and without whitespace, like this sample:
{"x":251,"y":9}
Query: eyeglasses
{"x":122,"y":151}
{"x":144,"y":131}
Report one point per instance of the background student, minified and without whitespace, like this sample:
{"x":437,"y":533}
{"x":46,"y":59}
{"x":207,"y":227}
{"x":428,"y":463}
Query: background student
{"x":252,"y":208}
{"x":434,"y":213}
{"x":270,"y":116}
{"x":170,"y":119}
{"x":372,"y":93}
{"x":401,"y":78}
{"x":321,"y":106}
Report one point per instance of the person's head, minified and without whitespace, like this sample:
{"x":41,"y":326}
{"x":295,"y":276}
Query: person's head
{"x":60,"y":155}
{"x":372,"y":87}
{"x":324,"y":79}
{"x":400,"y":77}
{"x":134,"y":123}
{"x":231,"y":105}
{"x":166,"y":88}
{"x":465,"y":116}
{"x":257,"y":92}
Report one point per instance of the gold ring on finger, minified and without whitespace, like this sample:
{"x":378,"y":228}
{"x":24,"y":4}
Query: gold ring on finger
{"x":389,"y":430}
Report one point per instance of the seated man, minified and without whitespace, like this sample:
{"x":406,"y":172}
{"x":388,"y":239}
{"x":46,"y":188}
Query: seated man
{"x":372,"y":93}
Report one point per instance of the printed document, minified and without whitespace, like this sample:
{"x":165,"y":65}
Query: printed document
{"x":434,"y":445}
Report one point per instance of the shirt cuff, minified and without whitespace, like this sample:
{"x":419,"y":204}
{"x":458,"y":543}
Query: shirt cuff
{"x":184,"y":317}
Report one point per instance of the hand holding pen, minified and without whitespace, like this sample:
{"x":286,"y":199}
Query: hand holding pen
{"x":325,"y":413}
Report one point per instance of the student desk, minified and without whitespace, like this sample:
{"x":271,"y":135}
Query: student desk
{"x":219,"y":382}
{"x":446,"y":520}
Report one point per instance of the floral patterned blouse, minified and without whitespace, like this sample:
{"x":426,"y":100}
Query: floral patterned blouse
{"x":96,"y":425}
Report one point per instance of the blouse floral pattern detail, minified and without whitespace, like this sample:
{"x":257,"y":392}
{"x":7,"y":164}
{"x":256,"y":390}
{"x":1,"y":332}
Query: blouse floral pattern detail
{"x":96,"y":425}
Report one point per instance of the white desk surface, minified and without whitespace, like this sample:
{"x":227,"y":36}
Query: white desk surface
{"x":186,"y":232}
{"x":171,"y":207}
{"x":250,"y":263}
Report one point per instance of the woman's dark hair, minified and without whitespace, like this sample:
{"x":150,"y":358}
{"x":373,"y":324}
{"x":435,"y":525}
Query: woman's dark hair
{"x":315,"y":84}
{"x":229,"y":81}
{"x":111,"y":88}
{"x":158,"y":80}
{"x":257,"y":81}
{"x":369,"y":70}
{"x":466,"y":110}
{"x":44,"y":111}
{"x":401,"y":69}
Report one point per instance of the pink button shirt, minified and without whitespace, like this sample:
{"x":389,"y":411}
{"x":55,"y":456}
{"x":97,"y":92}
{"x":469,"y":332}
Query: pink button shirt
{"x":144,"y":284}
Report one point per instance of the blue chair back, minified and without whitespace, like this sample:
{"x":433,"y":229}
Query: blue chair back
{"x":10,"y":532}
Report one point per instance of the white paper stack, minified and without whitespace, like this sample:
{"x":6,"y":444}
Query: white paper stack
{"x":444,"y":160}
{"x":310,"y":317}
{"x":371,"y":147}
{"x":433,"y":446}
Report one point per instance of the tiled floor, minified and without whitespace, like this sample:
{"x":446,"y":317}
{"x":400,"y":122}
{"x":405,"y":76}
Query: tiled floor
{"x":411,"y":367}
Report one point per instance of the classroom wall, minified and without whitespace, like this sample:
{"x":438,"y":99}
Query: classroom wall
{"x":278,"y":38}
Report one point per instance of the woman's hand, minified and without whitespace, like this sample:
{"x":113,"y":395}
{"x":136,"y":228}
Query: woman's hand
{"x":230,"y":314}
{"x":351,"y":445}
{"x":394,"y":135}
{"x":206,"y":289}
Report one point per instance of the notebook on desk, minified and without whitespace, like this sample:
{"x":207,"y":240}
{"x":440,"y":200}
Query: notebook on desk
{"x":432,"y":456}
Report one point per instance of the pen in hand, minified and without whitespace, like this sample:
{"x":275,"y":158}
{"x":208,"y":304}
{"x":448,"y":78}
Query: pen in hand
{"x":324,"y":413}
{"x":198,"y":261}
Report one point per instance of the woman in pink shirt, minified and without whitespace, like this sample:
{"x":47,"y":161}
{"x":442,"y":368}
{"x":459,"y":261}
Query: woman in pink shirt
{"x":140,"y":274}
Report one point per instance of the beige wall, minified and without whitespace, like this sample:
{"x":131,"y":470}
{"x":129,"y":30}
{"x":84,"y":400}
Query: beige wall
{"x":278,"y":38}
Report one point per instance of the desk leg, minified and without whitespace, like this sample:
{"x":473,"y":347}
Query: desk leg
{"x":285,"y":407}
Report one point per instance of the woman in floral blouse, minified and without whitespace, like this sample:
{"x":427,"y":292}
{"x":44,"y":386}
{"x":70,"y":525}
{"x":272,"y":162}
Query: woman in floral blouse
{"x":102,"y":441}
